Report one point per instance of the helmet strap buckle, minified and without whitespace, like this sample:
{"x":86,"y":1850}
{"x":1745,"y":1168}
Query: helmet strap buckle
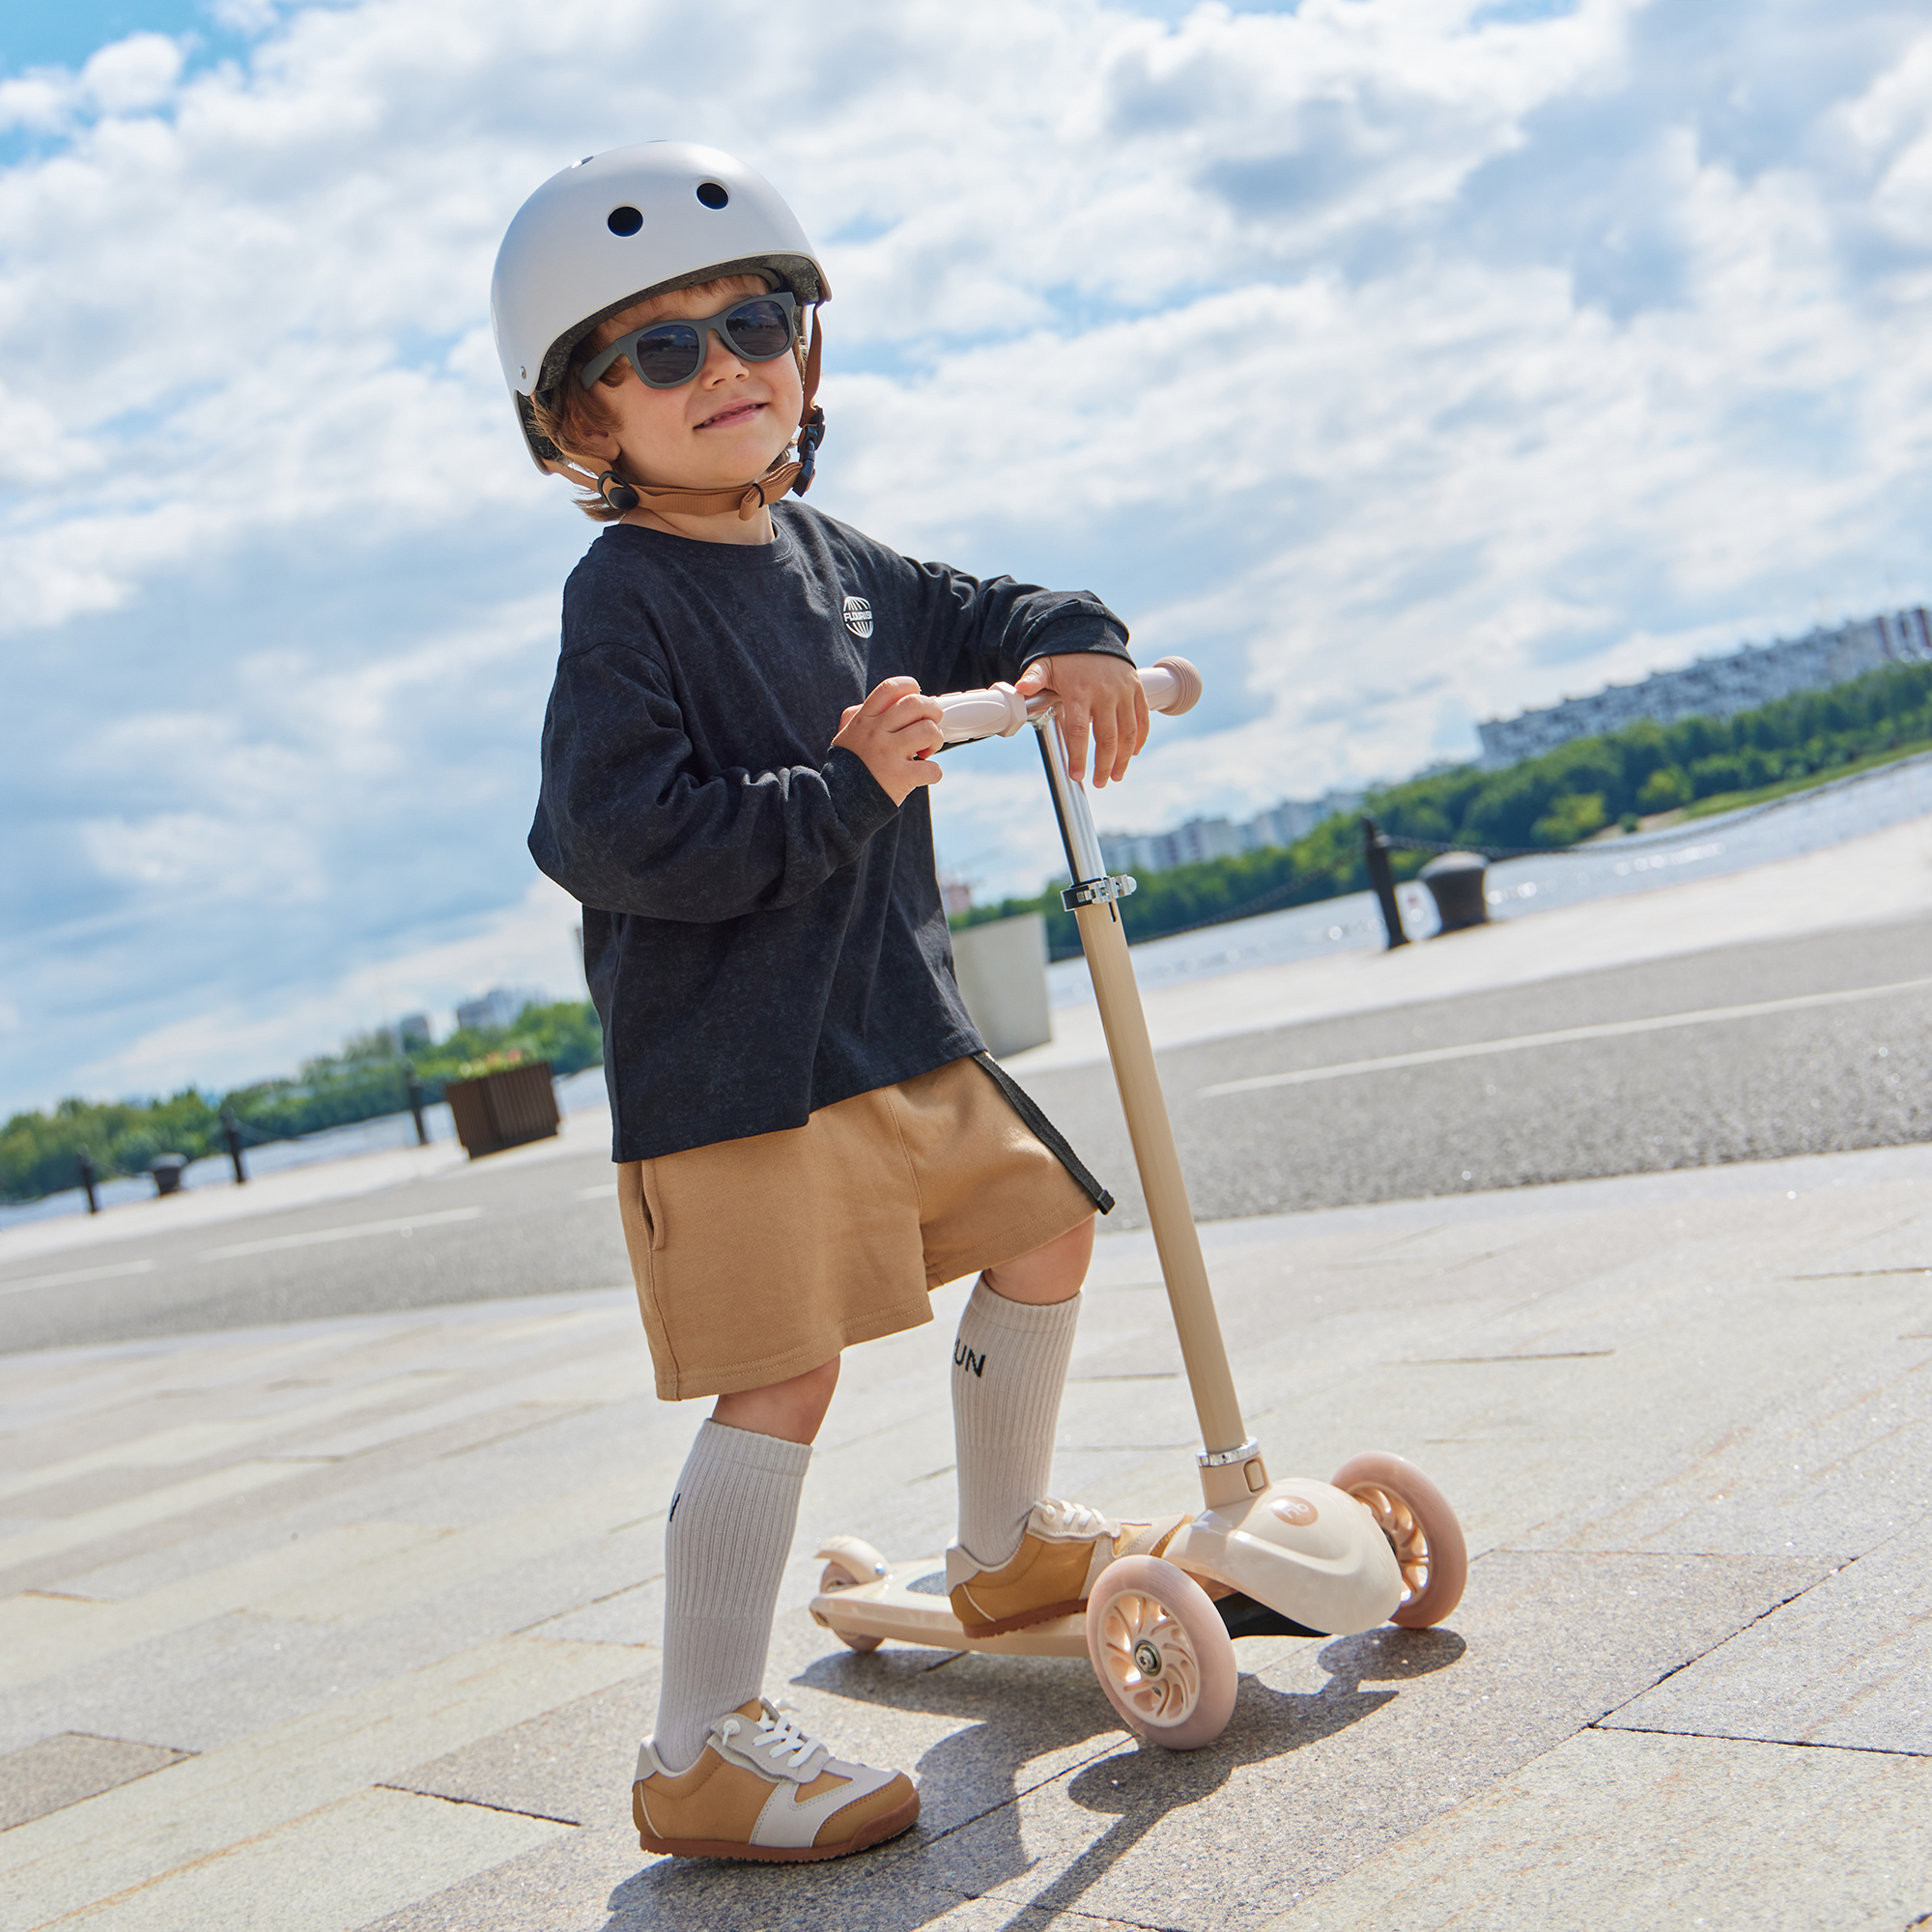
{"x":810,"y":434}
{"x":615,"y":492}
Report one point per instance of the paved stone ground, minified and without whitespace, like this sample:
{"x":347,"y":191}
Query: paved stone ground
{"x":347,"y":1623}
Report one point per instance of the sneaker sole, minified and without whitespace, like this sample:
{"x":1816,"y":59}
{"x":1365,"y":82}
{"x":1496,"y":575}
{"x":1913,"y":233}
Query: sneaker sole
{"x":888,"y":1826}
{"x":1073,"y":1607}
{"x":1045,"y":1614}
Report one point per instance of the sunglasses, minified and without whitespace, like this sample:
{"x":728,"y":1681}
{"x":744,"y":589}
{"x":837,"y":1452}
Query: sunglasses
{"x":666,"y":355}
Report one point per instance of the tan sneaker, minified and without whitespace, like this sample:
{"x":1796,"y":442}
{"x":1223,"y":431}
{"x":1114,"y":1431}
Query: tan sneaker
{"x":761,"y":1789}
{"x":1064,"y":1548}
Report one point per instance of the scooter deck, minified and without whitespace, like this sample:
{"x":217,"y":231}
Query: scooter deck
{"x":909,"y":1605}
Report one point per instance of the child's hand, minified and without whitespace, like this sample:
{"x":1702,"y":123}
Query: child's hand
{"x":1099,"y":689}
{"x":892,"y":732}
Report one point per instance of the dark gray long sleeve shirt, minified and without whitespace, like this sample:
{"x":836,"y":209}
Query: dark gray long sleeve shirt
{"x":762,"y":930}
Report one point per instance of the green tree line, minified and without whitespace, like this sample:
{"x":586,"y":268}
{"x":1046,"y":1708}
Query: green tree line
{"x":1547,"y":802}
{"x":39,"y":1151}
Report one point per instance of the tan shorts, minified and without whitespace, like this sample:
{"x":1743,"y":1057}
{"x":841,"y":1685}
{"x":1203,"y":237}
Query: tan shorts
{"x":760,"y":1258}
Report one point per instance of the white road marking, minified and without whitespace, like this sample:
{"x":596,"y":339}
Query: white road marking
{"x":1608,"y":1030}
{"x":275,"y":1243}
{"x":77,"y":1274}
{"x":605,"y":1190}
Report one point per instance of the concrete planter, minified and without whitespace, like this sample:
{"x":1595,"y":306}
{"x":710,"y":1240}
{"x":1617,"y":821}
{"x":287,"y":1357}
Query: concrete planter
{"x":1002,"y":972}
{"x":504,"y":1109}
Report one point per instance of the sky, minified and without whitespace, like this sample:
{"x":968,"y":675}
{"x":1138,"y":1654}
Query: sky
{"x":1403,"y":362}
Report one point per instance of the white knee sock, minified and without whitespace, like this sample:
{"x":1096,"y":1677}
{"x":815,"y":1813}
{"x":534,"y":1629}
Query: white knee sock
{"x":1008,"y":1369}
{"x":726,"y":1545}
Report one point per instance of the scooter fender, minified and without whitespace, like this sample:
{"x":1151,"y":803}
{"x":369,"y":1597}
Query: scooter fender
{"x":1311,"y":1551}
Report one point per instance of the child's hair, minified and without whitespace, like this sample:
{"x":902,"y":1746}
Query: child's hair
{"x":570,"y":412}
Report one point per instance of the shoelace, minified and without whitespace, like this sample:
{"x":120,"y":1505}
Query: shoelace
{"x":776,"y":1736}
{"x":1063,"y":1519}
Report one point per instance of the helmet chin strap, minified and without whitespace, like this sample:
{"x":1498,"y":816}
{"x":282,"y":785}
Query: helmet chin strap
{"x":788,"y":473}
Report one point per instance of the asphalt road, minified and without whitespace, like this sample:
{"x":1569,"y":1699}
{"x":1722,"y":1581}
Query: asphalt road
{"x":1808,"y":1045}
{"x":1665,"y":1065}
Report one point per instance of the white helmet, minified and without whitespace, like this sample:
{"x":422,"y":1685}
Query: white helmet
{"x":621,"y":226}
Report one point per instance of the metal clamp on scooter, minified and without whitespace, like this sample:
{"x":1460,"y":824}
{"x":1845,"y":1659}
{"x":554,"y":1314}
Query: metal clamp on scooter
{"x":1099,"y":891}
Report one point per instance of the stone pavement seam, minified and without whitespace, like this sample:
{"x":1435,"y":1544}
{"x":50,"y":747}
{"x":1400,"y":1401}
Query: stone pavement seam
{"x":1073,"y":1912}
{"x":536,"y":1627}
{"x":1771,"y":1610}
{"x":1725,"y":1738}
{"x":476,"y":1803}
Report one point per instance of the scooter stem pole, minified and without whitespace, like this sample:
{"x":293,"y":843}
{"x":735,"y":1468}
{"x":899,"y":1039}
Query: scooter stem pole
{"x":1232,"y":1459}
{"x":1077,"y":837}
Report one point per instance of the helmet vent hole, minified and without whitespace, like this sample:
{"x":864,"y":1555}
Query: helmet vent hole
{"x":624,"y":221}
{"x":711,"y":194}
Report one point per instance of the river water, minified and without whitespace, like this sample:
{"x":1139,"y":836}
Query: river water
{"x":1701,"y":848}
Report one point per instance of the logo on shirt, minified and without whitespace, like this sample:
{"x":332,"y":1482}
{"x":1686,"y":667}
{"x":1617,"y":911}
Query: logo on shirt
{"x":858,"y":614}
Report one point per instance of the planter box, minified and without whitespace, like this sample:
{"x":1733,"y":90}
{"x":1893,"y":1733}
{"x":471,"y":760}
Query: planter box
{"x":503,"y":1110}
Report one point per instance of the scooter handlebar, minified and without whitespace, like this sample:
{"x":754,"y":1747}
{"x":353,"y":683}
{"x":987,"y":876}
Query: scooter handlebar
{"x":1172,"y":686}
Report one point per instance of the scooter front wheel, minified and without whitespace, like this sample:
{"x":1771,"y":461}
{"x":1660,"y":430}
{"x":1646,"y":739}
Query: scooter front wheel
{"x":1422,"y":1529}
{"x":1161,"y":1652}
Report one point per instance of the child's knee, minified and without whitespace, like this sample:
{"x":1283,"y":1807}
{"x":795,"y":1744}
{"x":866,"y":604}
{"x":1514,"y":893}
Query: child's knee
{"x":1050,"y":1274}
{"x":793,"y":1410}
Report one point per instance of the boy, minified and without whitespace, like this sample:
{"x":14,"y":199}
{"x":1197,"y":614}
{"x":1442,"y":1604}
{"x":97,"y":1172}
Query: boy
{"x":736,"y":754}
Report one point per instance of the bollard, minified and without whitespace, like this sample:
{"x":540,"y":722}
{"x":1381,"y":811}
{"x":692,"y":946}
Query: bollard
{"x":416,"y":1102}
{"x":88,"y":1180}
{"x":230,"y":1129}
{"x":1454,"y":882}
{"x":1375,"y":855}
{"x":166,"y":1168}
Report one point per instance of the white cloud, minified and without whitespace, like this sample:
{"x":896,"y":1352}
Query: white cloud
{"x":131,"y":74}
{"x":245,"y":16}
{"x":529,"y":942}
{"x":1403,"y":362}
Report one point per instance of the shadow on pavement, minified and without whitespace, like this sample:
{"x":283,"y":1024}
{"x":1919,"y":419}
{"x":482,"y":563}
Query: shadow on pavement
{"x":969,"y":1842}
{"x":1144,"y":1786}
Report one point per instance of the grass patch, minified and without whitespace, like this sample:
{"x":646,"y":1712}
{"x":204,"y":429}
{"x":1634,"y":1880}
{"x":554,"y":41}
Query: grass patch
{"x":1736,"y":801}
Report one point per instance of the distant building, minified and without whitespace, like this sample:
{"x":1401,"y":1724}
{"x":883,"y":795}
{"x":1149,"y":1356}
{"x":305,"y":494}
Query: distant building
{"x":1142,"y":852}
{"x":1296,"y":817}
{"x":413,"y":1031}
{"x":1186,"y":846}
{"x":1716,"y":687}
{"x":955,"y":896}
{"x":498,"y":1006}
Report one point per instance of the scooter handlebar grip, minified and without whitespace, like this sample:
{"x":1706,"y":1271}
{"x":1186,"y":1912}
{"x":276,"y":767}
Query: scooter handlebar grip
{"x":1172,"y":686}
{"x":997,"y":712}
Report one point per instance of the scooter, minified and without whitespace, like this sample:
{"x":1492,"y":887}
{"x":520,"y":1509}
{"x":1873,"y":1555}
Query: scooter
{"x":1296,"y":1557}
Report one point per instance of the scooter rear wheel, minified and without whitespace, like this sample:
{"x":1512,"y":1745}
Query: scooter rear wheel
{"x":1161,"y":1652}
{"x":1415,"y":1517}
{"x":846,"y":1567}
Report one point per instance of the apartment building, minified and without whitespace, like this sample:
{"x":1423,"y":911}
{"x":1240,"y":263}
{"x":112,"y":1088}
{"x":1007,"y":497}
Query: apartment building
{"x":1143,"y":852}
{"x":1716,"y":687}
